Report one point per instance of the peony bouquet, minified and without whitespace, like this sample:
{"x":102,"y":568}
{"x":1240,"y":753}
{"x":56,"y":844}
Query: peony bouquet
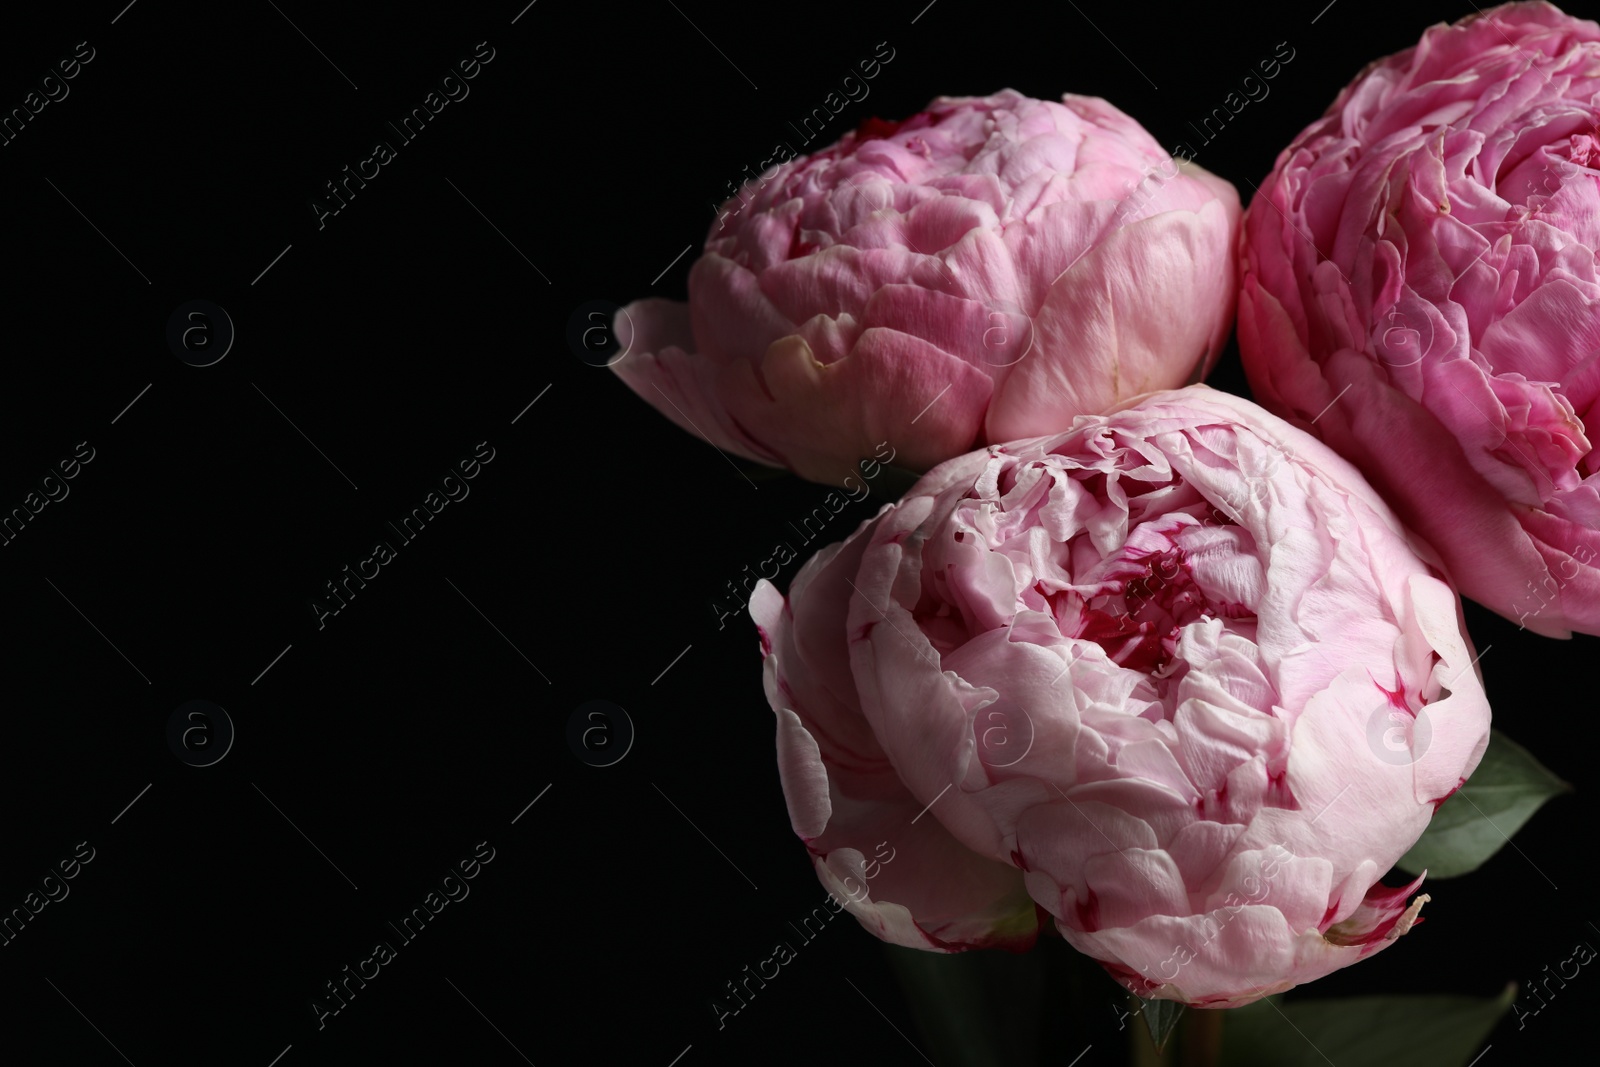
{"x":1136,"y":665}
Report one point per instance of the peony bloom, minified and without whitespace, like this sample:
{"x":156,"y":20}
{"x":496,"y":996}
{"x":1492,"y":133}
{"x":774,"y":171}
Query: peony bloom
{"x":982,"y":271}
{"x":1419,"y":280}
{"x":1174,"y":676}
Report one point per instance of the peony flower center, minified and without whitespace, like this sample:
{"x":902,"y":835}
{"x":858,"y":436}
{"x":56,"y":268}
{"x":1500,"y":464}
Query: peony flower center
{"x":1132,"y":564}
{"x":1138,"y":624}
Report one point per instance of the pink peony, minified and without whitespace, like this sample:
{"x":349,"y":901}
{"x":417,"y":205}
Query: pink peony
{"x":1420,"y":270}
{"x":1174,"y":676}
{"x":982,"y":271}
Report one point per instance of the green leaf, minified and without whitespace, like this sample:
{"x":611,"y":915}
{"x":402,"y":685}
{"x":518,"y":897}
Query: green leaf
{"x":1382,"y":1031}
{"x":1506,"y":789}
{"x":1161,"y":1016}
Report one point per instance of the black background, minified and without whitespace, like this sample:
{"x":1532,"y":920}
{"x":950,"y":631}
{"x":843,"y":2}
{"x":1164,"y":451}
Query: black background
{"x":425,"y":716}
